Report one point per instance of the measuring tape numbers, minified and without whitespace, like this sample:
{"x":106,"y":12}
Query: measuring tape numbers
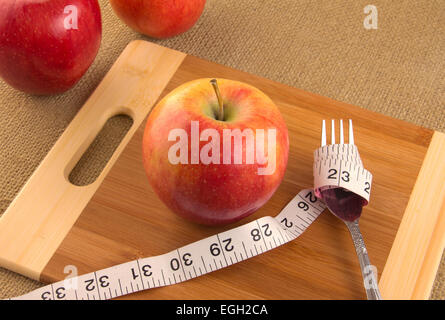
{"x":340,"y":165}
{"x":191,"y":261}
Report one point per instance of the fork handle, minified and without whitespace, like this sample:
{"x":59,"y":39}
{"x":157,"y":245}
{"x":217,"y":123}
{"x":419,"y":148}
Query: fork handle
{"x":369,"y":276}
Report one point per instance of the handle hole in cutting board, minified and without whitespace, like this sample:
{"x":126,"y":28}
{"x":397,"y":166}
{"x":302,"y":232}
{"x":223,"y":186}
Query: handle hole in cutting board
{"x":95,"y":158}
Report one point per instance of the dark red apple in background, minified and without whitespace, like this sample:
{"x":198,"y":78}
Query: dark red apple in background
{"x":159,"y":18}
{"x":47,"y":46}
{"x":218,"y":191}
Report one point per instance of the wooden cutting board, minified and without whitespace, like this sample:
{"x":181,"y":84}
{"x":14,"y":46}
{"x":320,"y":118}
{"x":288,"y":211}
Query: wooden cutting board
{"x":118,"y":218}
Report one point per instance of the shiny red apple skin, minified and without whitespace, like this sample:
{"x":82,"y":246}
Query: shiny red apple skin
{"x":38,"y":54}
{"x":159,"y":18}
{"x":213,"y":194}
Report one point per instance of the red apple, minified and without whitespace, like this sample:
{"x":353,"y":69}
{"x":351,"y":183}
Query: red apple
{"x":159,"y":18}
{"x":47,"y":46}
{"x":195,"y":165}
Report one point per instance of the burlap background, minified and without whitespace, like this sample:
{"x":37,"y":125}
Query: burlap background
{"x":319,"y":46}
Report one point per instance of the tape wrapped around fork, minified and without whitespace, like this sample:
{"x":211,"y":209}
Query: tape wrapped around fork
{"x":340,"y":166}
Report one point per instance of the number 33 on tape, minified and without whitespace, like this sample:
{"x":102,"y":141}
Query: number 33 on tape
{"x":191,"y":261}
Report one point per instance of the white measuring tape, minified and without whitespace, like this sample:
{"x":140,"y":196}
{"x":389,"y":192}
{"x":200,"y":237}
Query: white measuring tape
{"x":340,"y":165}
{"x":191,"y":261}
{"x":335,"y":165}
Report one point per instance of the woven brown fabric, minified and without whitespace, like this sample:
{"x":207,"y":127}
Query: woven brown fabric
{"x":318,"y":46}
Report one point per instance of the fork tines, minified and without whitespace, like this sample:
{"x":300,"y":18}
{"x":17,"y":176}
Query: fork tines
{"x":342,"y":139}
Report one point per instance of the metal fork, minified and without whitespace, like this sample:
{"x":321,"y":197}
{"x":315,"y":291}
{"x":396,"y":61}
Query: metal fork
{"x":347,"y":206}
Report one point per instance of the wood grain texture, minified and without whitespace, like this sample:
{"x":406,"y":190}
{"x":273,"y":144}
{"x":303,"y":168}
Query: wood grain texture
{"x":46,"y":208}
{"x":125,"y":220}
{"x":412,"y":264}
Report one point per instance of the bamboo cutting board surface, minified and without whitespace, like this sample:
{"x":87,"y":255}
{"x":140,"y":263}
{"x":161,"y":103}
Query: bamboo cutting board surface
{"x":118,"y":218}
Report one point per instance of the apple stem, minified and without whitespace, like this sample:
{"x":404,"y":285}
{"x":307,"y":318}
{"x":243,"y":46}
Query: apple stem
{"x":220,"y":100}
